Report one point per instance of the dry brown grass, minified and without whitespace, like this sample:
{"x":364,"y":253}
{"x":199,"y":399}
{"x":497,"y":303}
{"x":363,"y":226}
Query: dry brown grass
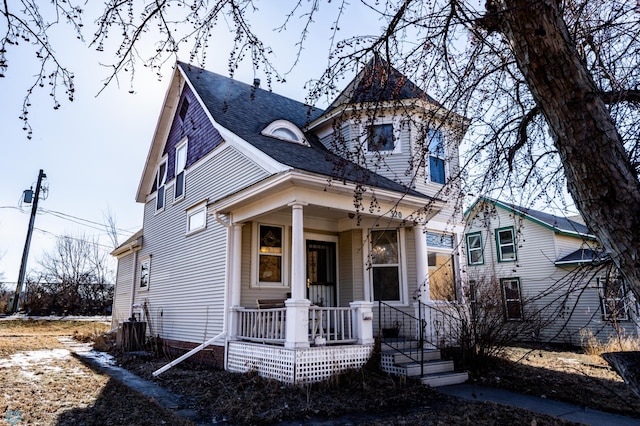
{"x":43,"y":384}
{"x":616,"y":343}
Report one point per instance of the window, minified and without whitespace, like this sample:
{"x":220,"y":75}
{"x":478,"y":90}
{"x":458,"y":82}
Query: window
{"x":506,"y":244}
{"x":512,"y":298}
{"x":183,"y":109}
{"x":385,"y":265}
{"x":181,"y":162}
{"x":380,"y":138}
{"x":143,"y":281}
{"x":475,"y":256}
{"x":197,"y":217}
{"x":270,"y":254}
{"x":441,"y":265}
{"x":614,"y":306}
{"x":286,"y":131}
{"x":161,"y":177}
{"x":436,"y":156}
{"x":473,"y":299}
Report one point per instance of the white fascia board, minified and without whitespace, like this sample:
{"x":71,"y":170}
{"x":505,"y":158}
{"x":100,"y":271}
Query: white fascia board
{"x":161,"y":133}
{"x":254,"y":154}
{"x":321,"y":194}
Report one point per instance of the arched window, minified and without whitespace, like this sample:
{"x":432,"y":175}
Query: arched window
{"x":286,"y":131}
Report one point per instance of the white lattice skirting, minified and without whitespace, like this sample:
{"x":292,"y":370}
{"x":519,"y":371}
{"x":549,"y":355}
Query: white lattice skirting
{"x":295,"y":366}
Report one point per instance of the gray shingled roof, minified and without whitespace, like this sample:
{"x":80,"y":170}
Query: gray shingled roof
{"x":246,"y":111}
{"x":557,"y":223}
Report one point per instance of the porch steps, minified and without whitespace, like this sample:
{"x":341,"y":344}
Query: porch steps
{"x":435,"y":372}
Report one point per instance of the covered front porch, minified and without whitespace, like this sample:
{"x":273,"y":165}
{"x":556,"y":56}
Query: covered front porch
{"x":296,"y":242}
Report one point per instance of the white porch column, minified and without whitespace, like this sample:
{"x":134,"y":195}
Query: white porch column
{"x":297,"y":327}
{"x":422,"y":268}
{"x":236,"y":278}
{"x":363,"y":321}
{"x":298,"y":275}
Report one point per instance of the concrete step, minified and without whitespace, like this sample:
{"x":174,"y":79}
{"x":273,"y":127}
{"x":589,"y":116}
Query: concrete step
{"x":411,"y":355}
{"x":445,"y":379}
{"x":401,"y":344}
{"x":412,"y":369}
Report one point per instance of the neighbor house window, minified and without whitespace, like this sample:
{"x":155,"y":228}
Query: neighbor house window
{"x":512,"y":298}
{"x":197,"y":217}
{"x":385,"y":265}
{"x":614,"y":306}
{"x":475,"y":255}
{"x":145,"y":265}
{"x":506,"y":244}
{"x":441,"y":265}
{"x":270,"y":248}
{"x":181,"y":162}
{"x":161,"y":177}
{"x":436,"y":156}
{"x":380,"y":138}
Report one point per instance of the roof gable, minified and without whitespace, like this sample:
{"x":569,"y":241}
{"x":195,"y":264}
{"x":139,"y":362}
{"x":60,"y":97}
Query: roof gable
{"x":247,"y":110}
{"x":558,"y":224}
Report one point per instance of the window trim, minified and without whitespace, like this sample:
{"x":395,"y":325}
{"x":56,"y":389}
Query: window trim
{"x":611,"y":317}
{"x":146,"y":260}
{"x":194,"y":210}
{"x":396,"y":129}
{"x":180,"y":170}
{"x":469,"y":249}
{"x":431,"y":133}
{"x":499,"y":245}
{"x":400,"y":265}
{"x":161,"y":187}
{"x":505,"y":300}
{"x":255,"y":255}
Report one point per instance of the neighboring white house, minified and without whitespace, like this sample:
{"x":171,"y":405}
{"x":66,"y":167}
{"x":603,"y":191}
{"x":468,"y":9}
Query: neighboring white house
{"x":550,"y":269}
{"x":272,"y":229}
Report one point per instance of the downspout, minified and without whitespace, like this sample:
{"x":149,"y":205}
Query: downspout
{"x":133,"y":284}
{"x":223,"y":334}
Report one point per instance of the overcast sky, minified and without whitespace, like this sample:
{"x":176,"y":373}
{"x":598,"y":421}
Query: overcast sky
{"x":93,"y":149}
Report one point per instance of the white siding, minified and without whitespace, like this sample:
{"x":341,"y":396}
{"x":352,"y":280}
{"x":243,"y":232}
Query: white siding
{"x":122,"y":292}
{"x":188,"y":272}
{"x":565,"y":299}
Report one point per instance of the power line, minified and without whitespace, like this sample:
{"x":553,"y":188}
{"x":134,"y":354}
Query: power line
{"x":75,"y":238}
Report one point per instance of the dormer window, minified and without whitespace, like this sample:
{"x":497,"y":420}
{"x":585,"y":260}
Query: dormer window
{"x":285,"y":131}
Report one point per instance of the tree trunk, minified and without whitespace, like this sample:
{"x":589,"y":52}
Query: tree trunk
{"x":599,"y":175}
{"x":627,"y":364}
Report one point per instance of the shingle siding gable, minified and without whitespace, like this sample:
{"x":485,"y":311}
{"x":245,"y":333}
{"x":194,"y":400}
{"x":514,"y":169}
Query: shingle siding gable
{"x":196,"y":126}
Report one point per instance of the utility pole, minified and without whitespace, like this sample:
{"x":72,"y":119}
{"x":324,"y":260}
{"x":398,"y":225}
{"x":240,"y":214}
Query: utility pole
{"x":25,"y":253}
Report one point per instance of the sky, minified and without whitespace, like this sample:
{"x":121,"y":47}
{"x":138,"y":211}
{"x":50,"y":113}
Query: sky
{"x":93,"y":149}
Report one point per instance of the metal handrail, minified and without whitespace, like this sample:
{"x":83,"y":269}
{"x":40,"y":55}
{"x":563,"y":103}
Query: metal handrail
{"x":401,"y":328}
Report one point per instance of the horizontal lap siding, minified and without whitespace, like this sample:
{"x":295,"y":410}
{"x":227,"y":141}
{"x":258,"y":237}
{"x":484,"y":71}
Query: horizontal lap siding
{"x":188,"y":272}
{"x":565,"y":298}
{"x":122,"y":295}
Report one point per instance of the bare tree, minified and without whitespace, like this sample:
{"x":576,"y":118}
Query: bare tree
{"x":517,"y":70}
{"x":74,"y":277}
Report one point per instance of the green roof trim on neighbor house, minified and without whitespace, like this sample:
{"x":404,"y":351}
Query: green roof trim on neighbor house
{"x":558,"y":224}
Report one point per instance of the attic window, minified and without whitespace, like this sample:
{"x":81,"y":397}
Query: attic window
{"x":286,"y":131}
{"x":183,"y":109}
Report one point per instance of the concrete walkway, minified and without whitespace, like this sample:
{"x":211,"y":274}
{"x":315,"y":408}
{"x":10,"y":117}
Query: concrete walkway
{"x":559,"y":409}
{"x":163,"y":397}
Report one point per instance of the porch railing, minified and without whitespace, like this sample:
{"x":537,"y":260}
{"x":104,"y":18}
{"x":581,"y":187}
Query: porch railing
{"x":262,"y":325}
{"x":331,"y":325}
{"x":327,"y":325}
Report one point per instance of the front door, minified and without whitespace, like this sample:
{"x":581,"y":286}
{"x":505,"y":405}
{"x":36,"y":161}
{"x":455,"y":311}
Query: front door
{"x":321,"y":272}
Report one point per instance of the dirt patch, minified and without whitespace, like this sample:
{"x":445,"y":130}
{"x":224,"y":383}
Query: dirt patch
{"x":54,"y":388}
{"x":564,"y":375}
